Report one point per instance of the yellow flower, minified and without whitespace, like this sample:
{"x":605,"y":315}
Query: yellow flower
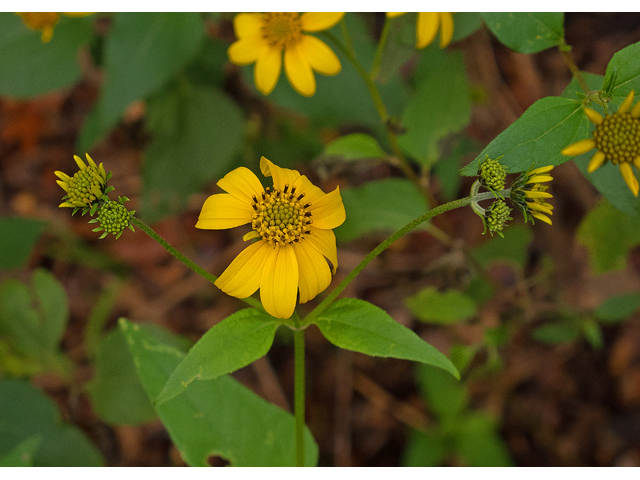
{"x":86,"y":186}
{"x":262,"y":37}
{"x":45,"y":21}
{"x":427,"y":27}
{"x":293,"y":225}
{"x":529,"y":195}
{"x":617,"y":139}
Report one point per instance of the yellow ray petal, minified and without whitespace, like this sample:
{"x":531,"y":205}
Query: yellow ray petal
{"x":279,"y":282}
{"x":594,"y":116}
{"x":626,"y":105}
{"x":64,"y":185}
{"x":328,"y":211}
{"x":47,"y":34}
{"x":636,"y":162}
{"x":311,"y":192}
{"x":538,"y":171}
{"x":247,"y":24}
{"x":299,"y":72}
{"x":537,"y":194}
{"x":318,"y":21}
{"x":281,"y":176}
{"x":314,"y":275}
{"x":245,"y":51}
{"x":541,"y":207}
{"x":90,"y":161}
{"x":578,"y":148}
{"x":542,"y":217}
{"x":79,"y":162}
{"x":635,"y":111}
{"x":446,"y":30}
{"x":320,"y":56}
{"x":324,"y":241}
{"x":242,"y":184}
{"x":267,"y":69}
{"x":66,"y":204}
{"x":427,"y":28}
{"x":629,"y":177}
{"x":224,"y":211}
{"x":540,"y":179}
{"x":596,"y":161}
{"x":62,"y":176}
{"x":394,"y":14}
{"x":242,"y":277}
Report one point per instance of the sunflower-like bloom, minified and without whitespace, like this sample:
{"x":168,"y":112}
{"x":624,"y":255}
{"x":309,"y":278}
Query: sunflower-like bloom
{"x":529,"y":195}
{"x":86,"y":186}
{"x":45,"y":21}
{"x":293,"y":225}
{"x":617,"y":139}
{"x":427,"y":27}
{"x":262,"y":37}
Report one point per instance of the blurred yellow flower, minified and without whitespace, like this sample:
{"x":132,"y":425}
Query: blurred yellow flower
{"x":86,"y":186}
{"x":45,"y":21}
{"x":617,"y":139}
{"x":293,"y":224}
{"x":262,"y":38}
{"x":427,"y":27}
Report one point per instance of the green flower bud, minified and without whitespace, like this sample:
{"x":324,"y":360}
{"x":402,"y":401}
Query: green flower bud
{"x":492,"y":174}
{"x":496,"y":217}
{"x":113,"y":217}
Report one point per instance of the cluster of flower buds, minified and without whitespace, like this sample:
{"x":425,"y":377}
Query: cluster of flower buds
{"x":87,"y":190}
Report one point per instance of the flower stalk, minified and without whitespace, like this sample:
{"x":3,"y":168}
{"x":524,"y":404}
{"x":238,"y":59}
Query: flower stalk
{"x":299,"y":394}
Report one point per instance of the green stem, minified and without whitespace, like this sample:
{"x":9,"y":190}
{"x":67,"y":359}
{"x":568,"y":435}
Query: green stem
{"x":377,"y":60}
{"x":575,"y":71}
{"x":299,"y":387}
{"x":463,"y":202}
{"x":200,"y":271}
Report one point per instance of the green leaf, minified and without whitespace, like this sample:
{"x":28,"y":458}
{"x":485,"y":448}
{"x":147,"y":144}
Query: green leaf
{"x":626,"y":61}
{"x":143,"y":52}
{"x":425,"y":449}
{"x":17,"y":237}
{"x":446,"y":169}
{"x":30,"y":67}
{"x":26,"y":412}
{"x":197,"y":131}
{"x":608,"y":235}
{"x":465,"y":23}
{"x":355,"y":146}
{"x":379,"y":206}
{"x":357,"y":325}
{"x":559,"y":332}
{"x":23,"y":455}
{"x":235,"y":342}
{"x":53,"y":307}
{"x":526,"y":32}
{"x":439,"y":107}
{"x":431,"y":306}
{"x":537,"y":137}
{"x":510,"y":249}
{"x":480,"y":444}
{"x":215,"y":417}
{"x":445,"y":396}
{"x":619,"y":308}
{"x":116,"y":392}
{"x":99,"y":316}
{"x":593,"y":333}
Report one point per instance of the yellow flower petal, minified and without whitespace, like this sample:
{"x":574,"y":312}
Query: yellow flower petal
{"x":324,"y":241}
{"x":626,"y":105}
{"x":247,"y":24}
{"x":635,"y":111}
{"x":62,"y":176}
{"x":279,"y":282}
{"x":267,"y":69}
{"x":328,"y":211}
{"x":540,"y":179}
{"x":318,"y":21}
{"x":314,"y":275}
{"x":47,"y":34}
{"x":299,"y":72}
{"x":427,"y":28}
{"x":281,"y":176}
{"x":245,"y":50}
{"x":578,"y":148}
{"x":538,"y":171}
{"x":542,"y":217}
{"x":79,"y":162}
{"x":320,"y":56}
{"x":394,"y":14}
{"x":541,"y":207}
{"x":90,"y":161}
{"x":64,"y":185}
{"x":446,"y":30}
{"x":629,"y":177}
{"x":242,"y":278}
{"x":77,"y":14}
{"x":594,"y":116}
{"x":596,"y":161}
{"x":66,"y":204}
{"x":537,"y":194}
{"x":224,"y":211}
{"x":636,"y":162}
{"x":242,"y":184}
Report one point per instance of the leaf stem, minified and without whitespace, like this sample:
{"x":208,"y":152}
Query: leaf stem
{"x":299,"y":390}
{"x":565,"y":51}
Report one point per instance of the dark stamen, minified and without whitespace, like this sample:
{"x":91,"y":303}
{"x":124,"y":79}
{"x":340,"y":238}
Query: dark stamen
{"x":300,"y":196}
{"x":307,"y":205}
{"x":286,"y":187}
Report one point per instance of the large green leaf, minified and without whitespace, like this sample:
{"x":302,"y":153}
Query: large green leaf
{"x":357,"y":325}
{"x":233,"y":343}
{"x":431,"y":306}
{"x":618,"y":308}
{"x":379,"y":206}
{"x":526,"y":32}
{"x":355,"y":146}
{"x":215,"y":417}
{"x":480,"y":444}
{"x":17,"y":237}
{"x":425,"y":449}
{"x":26,"y":412}
{"x":444,"y":395}
{"x":30,"y":67}
{"x":143,"y":51}
{"x":196,"y":132}
{"x":628,"y":70}
{"x":439,"y":107}
{"x":24,"y":454}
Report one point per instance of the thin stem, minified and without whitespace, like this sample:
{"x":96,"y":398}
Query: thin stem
{"x":463,"y":202}
{"x":299,"y":387}
{"x":377,"y":60}
{"x":200,"y":271}
{"x":575,"y":71}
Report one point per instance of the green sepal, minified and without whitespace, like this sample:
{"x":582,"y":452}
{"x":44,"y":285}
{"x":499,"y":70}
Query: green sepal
{"x":103,"y":235}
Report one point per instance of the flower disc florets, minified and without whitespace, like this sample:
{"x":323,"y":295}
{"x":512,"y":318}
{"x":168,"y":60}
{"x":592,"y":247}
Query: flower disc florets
{"x":113,"y":217}
{"x":281,"y":29}
{"x":281,"y":217}
{"x":86,"y":186}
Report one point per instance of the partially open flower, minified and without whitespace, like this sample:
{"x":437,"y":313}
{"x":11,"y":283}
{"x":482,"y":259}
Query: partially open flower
{"x":86,"y":186}
{"x":617,"y":139}
{"x":428,"y":25}
{"x":529,"y":195}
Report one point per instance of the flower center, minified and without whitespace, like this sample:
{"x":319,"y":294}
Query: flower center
{"x":85,"y":186}
{"x":281,"y":217}
{"x":618,"y":137}
{"x":281,"y":29}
